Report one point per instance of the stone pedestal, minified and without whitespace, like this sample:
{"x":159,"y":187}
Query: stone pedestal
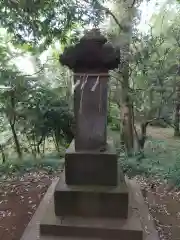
{"x":91,"y":228}
{"x":91,"y":167}
{"x":44,"y":222}
{"x":91,"y":199}
{"x":91,"y":210}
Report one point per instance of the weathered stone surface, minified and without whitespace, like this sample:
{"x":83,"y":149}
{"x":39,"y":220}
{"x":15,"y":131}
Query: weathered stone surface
{"x":91,"y":201}
{"x":104,"y":209}
{"x":32,"y":230}
{"x":91,"y":168}
{"x":103,"y":228}
{"x":91,"y":53}
{"x":66,"y":238}
{"x":90,"y":110}
{"x":90,"y":60}
{"x":136,"y":202}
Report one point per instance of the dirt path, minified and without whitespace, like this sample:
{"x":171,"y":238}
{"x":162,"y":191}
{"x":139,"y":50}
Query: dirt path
{"x":166,"y":134}
{"x":19,"y":200}
{"x":161,"y":133}
{"x":20,"y":197}
{"x":164,"y":206}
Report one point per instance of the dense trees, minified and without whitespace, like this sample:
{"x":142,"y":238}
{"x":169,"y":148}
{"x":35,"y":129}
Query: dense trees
{"x":158,"y":67}
{"x":122,"y":34}
{"x":151,"y":82}
{"x":144,"y":89}
{"x":39,"y":23}
{"x":32,"y":110}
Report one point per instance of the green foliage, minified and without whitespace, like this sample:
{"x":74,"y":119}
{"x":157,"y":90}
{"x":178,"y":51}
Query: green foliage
{"x":113,"y":117}
{"x":161,"y":159}
{"x":156,"y":163}
{"x":16,"y":167}
{"x":37,"y":109}
{"x":153,"y":64}
{"x":32,"y":110}
{"x":41,"y":22}
{"x":44,"y":114}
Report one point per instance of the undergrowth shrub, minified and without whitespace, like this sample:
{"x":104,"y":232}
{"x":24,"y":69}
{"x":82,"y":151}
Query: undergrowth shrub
{"x":49,"y":164}
{"x":159,"y":160}
{"x":173,"y":175}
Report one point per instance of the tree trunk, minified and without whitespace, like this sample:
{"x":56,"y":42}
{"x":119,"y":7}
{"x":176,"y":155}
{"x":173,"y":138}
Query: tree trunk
{"x":176,"y":120}
{"x":176,"y":112}
{"x":2,"y":154}
{"x":43,"y":144}
{"x":56,"y":141}
{"x":127,"y":107}
{"x":127,"y":126}
{"x":124,"y":22}
{"x":16,"y":141}
{"x":143,"y":136}
{"x":150,"y":113}
{"x":38,"y":149}
{"x":150,"y":101}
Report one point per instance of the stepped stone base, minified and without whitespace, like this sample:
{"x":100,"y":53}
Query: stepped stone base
{"x":91,"y":168}
{"x":66,"y":238}
{"x":91,"y":201}
{"x":136,"y":203}
{"x":103,"y":228}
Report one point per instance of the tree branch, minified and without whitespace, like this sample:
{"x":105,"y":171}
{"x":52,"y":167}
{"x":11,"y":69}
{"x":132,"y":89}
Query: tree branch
{"x":108,"y":11}
{"x":133,"y":3}
{"x":41,"y":68}
{"x":114,"y":17}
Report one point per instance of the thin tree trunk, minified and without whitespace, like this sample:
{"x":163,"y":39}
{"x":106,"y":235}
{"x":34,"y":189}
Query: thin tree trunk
{"x":149,"y":114}
{"x":124,"y":22}
{"x":127,"y":107}
{"x":43,"y":144}
{"x":16,"y":141}
{"x":2,"y":154}
{"x":125,"y":39}
{"x":176,"y":120}
{"x":177,"y":111}
{"x":30,"y":144}
{"x":38,"y":149}
{"x":56,"y":143}
{"x":127,"y":130}
{"x":127,"y":111}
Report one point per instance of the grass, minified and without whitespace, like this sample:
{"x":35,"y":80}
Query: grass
{"x":162,"y":156}
{"x":50,"y":163}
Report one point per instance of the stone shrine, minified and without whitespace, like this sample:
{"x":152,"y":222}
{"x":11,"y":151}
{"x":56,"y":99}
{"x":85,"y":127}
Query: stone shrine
{"x":91,"y":200}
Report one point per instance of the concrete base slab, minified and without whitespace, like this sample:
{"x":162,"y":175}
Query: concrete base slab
{"x":65,"y":238}
{"x":150,"y":233}
{"x":103,"y":228}
{"x":32,"y":230}
{"x":91,"y":201}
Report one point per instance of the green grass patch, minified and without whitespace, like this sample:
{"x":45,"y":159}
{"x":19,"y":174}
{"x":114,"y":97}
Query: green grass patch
{"x":161,"y":160}
{"x":50,"y":163}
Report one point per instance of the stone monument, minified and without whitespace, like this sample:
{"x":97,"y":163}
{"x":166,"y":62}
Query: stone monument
{"x":91,"y":199}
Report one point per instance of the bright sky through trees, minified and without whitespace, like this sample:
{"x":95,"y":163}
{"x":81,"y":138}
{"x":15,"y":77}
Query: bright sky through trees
{"x":146,"y":8}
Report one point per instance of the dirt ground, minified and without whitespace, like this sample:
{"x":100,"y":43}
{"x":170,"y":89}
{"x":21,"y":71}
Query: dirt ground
{"x":164,"y":206}
{"x":163,"y":201}
{"x":163,"y":134}
{"x":19,"y":198}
